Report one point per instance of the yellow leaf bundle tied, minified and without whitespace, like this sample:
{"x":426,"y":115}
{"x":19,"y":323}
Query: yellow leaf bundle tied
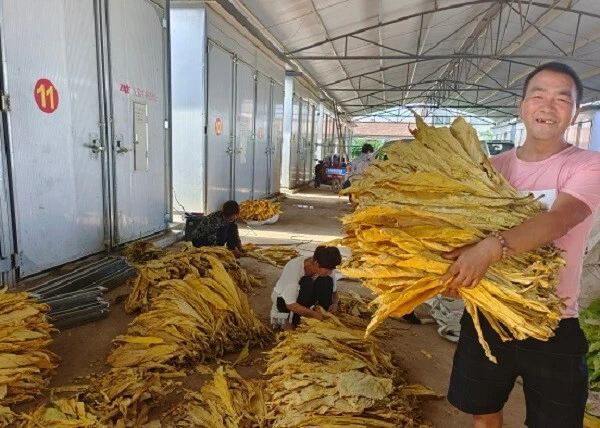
{"x":433,"y":195}
{"x":259,"y":210}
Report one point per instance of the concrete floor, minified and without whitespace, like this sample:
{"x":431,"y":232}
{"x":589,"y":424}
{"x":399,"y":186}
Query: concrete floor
{"x":84,"y":349}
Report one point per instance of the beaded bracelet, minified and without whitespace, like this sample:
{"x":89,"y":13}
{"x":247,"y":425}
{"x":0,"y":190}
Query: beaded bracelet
{"x":500,"y":238}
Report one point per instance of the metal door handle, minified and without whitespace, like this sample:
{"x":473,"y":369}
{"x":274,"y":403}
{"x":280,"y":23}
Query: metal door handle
{"x":96,"y":146}
{"x":121,"y":150}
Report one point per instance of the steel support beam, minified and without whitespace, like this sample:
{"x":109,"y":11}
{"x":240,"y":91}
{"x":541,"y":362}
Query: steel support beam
{"x":436,"y":57}
{"x":435,"y":9}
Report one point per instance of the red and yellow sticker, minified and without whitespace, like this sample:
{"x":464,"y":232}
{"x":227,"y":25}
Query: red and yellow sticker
{"x":218,"y":126}
{"x":46,"y":96}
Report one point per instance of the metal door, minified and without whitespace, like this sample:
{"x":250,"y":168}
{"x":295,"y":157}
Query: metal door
{"x":139,"y":110}
{"x":301,"y":143}
{"x":310,"y":149}
{"x":6,"y":242}
{"x":219,"y":138}
{"x":294,"y":142}
{"x":244,"y":132}
{"x":261,"y":148}
{"x":54,"y":136}
{"x":276,"y":138}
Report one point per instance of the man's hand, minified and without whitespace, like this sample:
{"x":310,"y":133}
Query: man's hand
{"x":470,"y":265}
{"x":333,"y":308}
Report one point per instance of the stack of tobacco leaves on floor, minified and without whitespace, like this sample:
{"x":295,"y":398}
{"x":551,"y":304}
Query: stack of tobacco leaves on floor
{"x":25,"y":363}
{"x":227,"y":401}
{"x":259,"y":210}
{"x":186,"y":321}
{"x":189,"y":322}
{"x":326,"y":374}
{"x":189,"y":263}
{"x":142,"y":252}
{"x":63,"y":413}
{"x":275,"y":255}
{"x":124,"y":396}
{"x":431,"y":196}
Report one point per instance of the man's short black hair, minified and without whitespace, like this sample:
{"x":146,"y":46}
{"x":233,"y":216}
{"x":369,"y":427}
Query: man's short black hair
{"x":327,"y":257}
{"x":367,"y":148}
{"x":230,"y":208}
{"x":557,"y":67}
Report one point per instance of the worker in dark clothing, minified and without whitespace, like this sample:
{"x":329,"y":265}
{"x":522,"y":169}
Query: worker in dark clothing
{"x":220,"y":228}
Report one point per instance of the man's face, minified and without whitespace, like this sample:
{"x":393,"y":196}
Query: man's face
{"x":549,"y":106}
{"x":230,"y":219}
{"x":320,"y":271}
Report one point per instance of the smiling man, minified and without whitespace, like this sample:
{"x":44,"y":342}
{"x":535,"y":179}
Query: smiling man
{"x":567,"y":179}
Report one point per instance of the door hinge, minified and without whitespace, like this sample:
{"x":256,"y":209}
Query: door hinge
{"x":5,"y":265}
{"x":164,"y":23}
{"x":166,"y":124}
{"x":8,"y":264}
{"x":4,"y":102}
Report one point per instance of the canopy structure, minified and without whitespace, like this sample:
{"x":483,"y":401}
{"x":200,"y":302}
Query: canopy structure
{"x":372,"y":55}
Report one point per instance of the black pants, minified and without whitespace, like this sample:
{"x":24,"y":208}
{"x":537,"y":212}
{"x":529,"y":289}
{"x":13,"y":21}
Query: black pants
{"x":312,"y":292}
{"x":228,"y":234}
{"x":554,"y":374}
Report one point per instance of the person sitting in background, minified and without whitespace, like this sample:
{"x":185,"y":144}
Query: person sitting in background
{"x":220,"y":228}
{"x":306,"y":282}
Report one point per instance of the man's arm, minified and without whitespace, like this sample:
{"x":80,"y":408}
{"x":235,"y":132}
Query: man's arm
{"x":472,"y":261}
{"x":334,"y":307}
{"x":304,"y":311}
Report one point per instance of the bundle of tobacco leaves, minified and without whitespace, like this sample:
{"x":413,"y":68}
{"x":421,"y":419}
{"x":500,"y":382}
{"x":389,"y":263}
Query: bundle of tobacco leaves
{"x":259,"y":210}
{"x":227,"y":401}
{"x":326,"y":374}
{"x":190,"y":321}
{"x":25,"y":362}
{"x":275,"y":255}
{"x":142,"y":252}
{"x":189,"y":263}
{"x":62,"y":413}
{"x":429,"y":197}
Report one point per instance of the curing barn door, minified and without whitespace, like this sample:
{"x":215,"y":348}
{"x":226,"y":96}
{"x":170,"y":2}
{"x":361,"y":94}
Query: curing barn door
{"x":276,"y":138}
{"x":244,"y":132}
{"x":57,"y":150}
{"x":220,"y":127}
{"x":139,"y":146}
{"x":261,"y":149}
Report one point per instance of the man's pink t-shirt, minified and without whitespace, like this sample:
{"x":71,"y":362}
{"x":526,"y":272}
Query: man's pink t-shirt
{"x":576,"y":172}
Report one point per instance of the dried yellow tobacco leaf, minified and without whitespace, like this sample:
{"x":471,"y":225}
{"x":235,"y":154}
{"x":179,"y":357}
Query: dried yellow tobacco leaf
{"x":431,"y":196}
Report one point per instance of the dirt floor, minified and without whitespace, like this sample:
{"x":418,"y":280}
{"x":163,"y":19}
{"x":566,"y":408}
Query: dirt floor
{"x":309,"y":218}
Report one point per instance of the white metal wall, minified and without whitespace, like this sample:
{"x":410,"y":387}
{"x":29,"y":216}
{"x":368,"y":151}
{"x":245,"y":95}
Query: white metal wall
{"x":244,"y":132}
{"x":220,"y":129}
{"x":276,"y":138}
{"x":137,"y":49}
{"x":71,"y":126}
{"x":262,"y":169}
{"x":294,"y":143}
{"x":188,"y":60}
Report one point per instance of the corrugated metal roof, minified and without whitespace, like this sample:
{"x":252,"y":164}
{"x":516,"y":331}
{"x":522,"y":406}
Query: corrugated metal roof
{"x":373,"y":54}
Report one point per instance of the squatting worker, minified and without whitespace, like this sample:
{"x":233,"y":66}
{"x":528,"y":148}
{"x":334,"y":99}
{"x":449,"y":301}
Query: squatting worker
{"x":554,"y":373}
{"x":306,"y":282}
{"x":220,"y":228}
